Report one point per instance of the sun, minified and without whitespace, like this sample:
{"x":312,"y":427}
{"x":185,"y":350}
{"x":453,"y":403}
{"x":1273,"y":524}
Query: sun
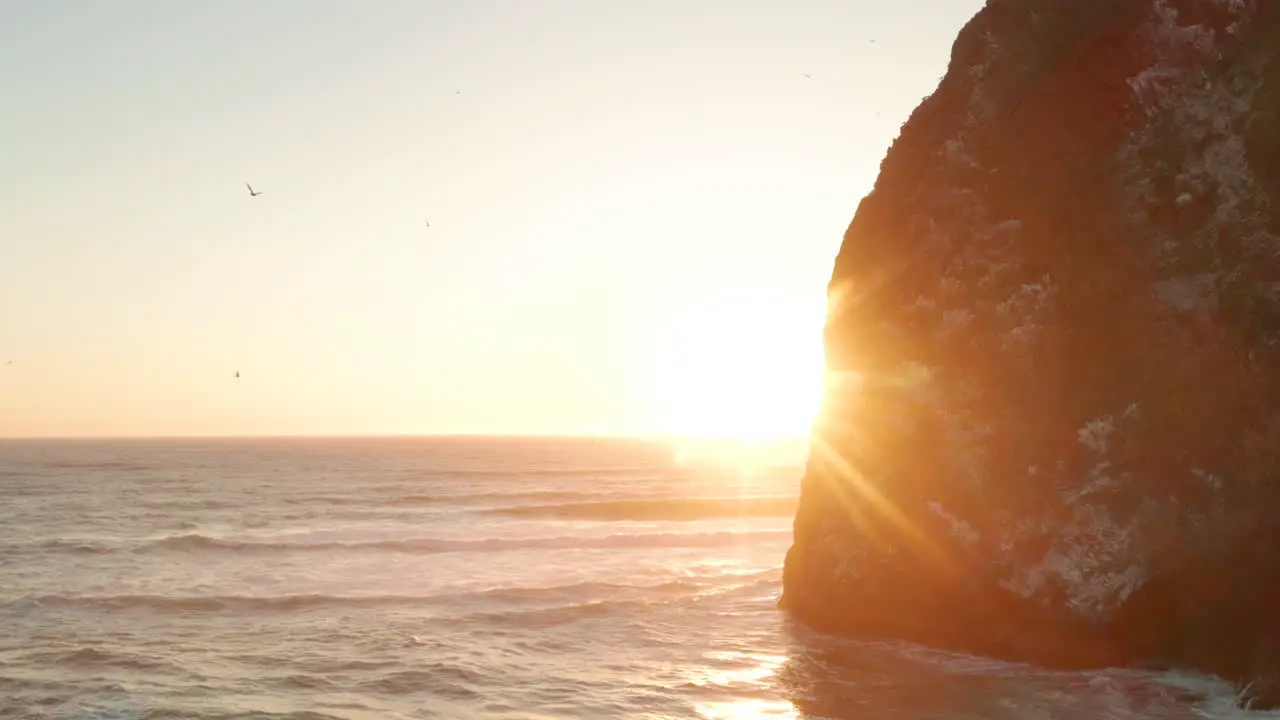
{"x":747,"y":369}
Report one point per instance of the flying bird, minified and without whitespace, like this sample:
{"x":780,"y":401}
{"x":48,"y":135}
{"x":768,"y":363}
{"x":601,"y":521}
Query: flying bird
{"x":237,"y":373}
{"x":251,"y":191}
{"x":807,"y":75}
{"x":428,"y":223}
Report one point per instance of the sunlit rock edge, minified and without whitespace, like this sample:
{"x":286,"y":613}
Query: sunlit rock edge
{"x":1062,"y":299}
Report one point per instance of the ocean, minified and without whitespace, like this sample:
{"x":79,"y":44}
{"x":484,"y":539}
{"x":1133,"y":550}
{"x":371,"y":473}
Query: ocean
{"x":455,"y":578}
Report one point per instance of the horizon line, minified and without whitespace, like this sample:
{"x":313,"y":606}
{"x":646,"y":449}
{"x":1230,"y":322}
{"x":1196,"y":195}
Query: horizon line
{"x":661,"y":437}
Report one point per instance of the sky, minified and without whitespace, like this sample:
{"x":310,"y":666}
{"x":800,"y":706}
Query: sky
{"x":633,"y":210}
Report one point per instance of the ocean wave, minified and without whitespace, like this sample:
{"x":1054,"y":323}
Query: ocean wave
{"x":196,"y":542}
{"x":179,"y":714}
{"x":185,"y":504}
{"x":216,"y":603}
{"x":70,"y":547}
{"x":673,"y":509}
{"x":544,"y":617}
{"x":21,"y":477}
{"x":114,"y":465}
{"x":561,"y":472}
{"x":532,"y":496}
{"x":91,"y":657}
{"x":438,"y":678}
{"x":566,"y":597}
{"x":397,"y":498}
{"x":572,"y":593}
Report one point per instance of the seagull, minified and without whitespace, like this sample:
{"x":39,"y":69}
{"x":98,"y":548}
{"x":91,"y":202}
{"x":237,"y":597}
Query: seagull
{"x":251,"y":191}
{"x":428,"y":223}
{"x":237,"y":373}
{"x":807,"y":75}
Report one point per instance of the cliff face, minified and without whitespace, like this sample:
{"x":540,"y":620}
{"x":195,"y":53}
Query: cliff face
{"x":1052,"y":427}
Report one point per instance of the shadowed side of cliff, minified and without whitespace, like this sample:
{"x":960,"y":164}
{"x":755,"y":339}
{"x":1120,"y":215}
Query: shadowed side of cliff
{"x":1052,"y":425}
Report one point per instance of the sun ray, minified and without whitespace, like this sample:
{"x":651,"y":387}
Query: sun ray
{"x":851,"y":488}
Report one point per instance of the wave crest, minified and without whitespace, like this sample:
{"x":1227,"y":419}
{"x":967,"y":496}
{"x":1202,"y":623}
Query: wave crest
{"x":565,"y":597}
{"x":196,"y":542}
{"x":673,"y":509}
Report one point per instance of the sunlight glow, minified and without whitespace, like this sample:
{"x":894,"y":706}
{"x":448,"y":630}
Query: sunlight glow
{"x":747,"y":459}
{"x":748,"y":369}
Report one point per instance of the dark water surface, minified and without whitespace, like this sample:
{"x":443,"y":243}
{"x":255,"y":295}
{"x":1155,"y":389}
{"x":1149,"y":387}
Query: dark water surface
{"x":452,"y":578}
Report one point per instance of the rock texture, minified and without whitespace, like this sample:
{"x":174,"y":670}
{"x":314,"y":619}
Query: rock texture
{"x":1052,"y":427}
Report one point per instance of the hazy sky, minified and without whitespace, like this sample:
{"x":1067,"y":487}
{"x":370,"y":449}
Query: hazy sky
{"x":633,"y":207}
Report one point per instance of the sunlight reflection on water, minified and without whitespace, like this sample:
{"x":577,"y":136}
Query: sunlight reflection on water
{"x":763,"y":666}
{"x":758,"y":669}
{"x":749,"y":710}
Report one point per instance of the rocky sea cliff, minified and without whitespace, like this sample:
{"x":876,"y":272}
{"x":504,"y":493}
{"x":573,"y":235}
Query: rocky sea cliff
{"x":1052,"y":425}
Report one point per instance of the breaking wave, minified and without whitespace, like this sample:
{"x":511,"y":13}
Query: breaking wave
{"x":564,"y":600}
{"x":675,"y":509}
{"x":196,"y":542}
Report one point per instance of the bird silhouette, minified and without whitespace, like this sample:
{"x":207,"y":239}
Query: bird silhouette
{"x":237,"y":373}
{"x":251,"y":191}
